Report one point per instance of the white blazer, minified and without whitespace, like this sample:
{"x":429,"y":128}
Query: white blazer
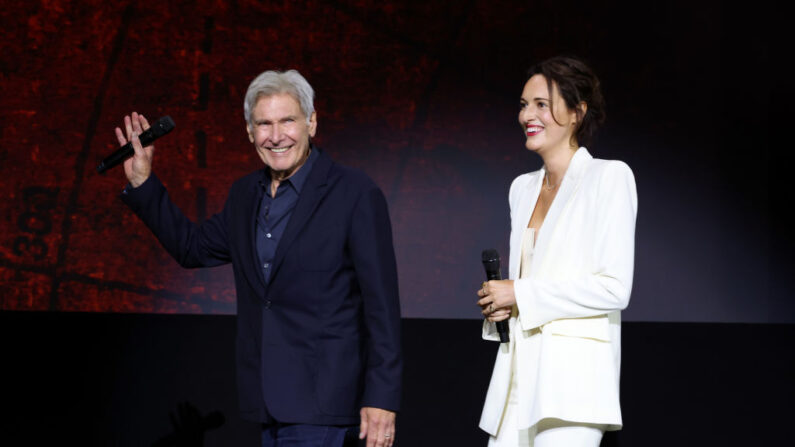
{"x":580,"y":279}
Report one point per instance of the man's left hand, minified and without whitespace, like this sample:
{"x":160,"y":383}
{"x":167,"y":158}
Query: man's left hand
{"x":378,"y":426}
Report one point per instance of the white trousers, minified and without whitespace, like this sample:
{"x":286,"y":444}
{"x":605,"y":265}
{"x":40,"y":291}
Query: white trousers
{"x":548,"y":432}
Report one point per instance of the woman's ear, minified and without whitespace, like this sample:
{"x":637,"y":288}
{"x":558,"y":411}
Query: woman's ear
{"x":582,"y":109}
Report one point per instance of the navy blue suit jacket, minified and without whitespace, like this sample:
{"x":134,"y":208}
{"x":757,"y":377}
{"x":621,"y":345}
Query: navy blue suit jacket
{"x":322,"y":339}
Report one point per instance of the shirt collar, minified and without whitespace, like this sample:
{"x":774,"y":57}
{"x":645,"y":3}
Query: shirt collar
{"x":298,"y":179}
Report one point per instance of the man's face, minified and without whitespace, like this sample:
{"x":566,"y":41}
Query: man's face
{"x":280,"y":133}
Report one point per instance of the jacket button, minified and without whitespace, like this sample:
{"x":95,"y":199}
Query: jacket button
{"x":268,"y":304}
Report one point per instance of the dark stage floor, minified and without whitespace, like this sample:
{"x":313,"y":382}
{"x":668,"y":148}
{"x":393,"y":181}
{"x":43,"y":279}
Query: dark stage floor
{"x":113,"y":379}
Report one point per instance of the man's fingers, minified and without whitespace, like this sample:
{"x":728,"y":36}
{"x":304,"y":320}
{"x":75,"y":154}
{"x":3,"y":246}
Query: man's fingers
{"x":379,"y":435}
{"x":380,"y":440}
{"x":378,"y":426}
{"x":136,"y":123}
{"x":363,"y":424}
{"x":120,"y":137}
{"x":136,"y":144}
{"x":140,"y":124}
{"x":144,"y":122}
{"x":375,"y":437}
{"x":128,"y":127}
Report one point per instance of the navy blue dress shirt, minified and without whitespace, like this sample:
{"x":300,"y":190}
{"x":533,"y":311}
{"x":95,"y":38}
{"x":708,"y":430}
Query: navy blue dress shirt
{"x":274,"y":212}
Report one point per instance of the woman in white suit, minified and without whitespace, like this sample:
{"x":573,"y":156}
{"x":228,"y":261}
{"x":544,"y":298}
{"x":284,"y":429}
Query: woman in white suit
{"x":572,"y":242}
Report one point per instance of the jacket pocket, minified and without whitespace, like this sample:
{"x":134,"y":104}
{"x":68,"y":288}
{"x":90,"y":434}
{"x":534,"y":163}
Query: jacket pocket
{"x":340,"y":377}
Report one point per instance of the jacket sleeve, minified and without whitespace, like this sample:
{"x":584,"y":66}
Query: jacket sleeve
{"x":376,"y":272}
{"x":489,"y":330}
{"x":191,"y":245}
{"x":607,"y":286}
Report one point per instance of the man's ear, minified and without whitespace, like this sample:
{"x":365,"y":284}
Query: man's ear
{"x":313,"y":124}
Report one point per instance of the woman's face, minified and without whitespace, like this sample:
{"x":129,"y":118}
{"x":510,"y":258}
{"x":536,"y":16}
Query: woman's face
{"x":543,"y":132}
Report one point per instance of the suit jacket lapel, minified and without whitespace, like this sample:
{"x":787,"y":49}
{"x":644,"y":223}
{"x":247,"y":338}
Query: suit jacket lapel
{"x":258,"y":278}
{"x":568,"y":188}
{"x":527,"y":202}
{"x":312,"y":193}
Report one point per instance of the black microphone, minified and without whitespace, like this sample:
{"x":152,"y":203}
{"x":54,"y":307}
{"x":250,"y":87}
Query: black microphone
{"x":491,"y":262}
{"x":161,"y":127}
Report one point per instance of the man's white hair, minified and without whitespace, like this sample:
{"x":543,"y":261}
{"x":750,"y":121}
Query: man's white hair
{"x":272,"y":82}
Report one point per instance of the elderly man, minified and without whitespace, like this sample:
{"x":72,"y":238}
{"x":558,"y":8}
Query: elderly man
{"x":318,"y":331}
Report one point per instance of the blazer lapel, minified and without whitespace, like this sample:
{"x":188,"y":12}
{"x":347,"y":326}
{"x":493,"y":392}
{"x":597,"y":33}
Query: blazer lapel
{"x":258,"y":278}
{"x":312,"y":193}
{"x":526,"y":204}
{"x":568,"y":188}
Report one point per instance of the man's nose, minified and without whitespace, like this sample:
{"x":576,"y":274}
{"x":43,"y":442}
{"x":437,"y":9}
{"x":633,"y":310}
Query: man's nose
{"x":276,"y":133}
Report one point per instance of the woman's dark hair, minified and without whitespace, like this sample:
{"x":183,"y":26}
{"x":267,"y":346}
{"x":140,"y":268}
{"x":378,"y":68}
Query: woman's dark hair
{"x":576,"y":83}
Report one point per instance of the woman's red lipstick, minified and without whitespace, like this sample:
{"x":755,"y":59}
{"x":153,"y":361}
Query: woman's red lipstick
{"x":533,"y":129}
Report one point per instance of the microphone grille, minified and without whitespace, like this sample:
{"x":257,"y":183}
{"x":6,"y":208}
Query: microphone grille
{"x":166,"y":124}
{"x":490,"y":255}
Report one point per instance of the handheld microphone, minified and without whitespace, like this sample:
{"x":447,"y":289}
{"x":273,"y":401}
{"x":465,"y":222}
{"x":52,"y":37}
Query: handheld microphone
{"x":161,"y":127}
{"x":491,"y":262}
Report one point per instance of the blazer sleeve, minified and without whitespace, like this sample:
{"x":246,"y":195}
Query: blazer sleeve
{"x":607,"y":286}
{"x":489,"y":330}
{"x":373,"y":257}
{"x":191,"y":245}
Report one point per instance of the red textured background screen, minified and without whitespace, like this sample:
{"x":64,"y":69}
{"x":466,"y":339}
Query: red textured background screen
{"x":397,"y":96}
{"x":423,"y":96}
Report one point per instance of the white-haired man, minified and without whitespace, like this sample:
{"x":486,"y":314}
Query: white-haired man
{"x":310,"y":242}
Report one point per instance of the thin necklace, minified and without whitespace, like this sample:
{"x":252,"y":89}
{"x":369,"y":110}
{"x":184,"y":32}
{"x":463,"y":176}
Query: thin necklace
{"x":547,"y":185}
